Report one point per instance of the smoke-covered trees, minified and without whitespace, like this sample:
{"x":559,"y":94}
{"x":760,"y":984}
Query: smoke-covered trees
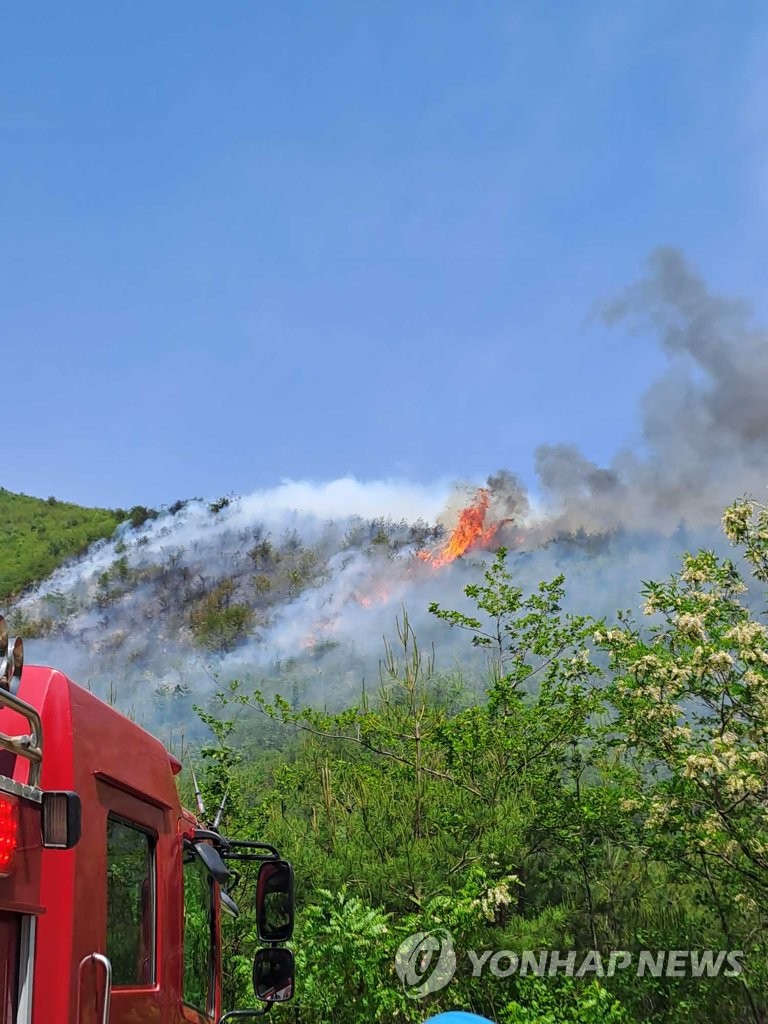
{"x":219,"y":622}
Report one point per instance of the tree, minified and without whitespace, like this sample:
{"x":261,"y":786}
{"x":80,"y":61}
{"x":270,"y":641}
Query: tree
{"x":690,"y":694}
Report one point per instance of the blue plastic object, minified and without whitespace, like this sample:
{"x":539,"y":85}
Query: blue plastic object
{"x":457,"y":1017}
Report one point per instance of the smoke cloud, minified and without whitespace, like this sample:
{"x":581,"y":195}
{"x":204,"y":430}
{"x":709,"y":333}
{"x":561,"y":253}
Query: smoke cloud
{"x":704,"y":421}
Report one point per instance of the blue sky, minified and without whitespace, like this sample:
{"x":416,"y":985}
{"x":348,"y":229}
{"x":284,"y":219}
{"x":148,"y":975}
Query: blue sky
{"x":248,"y":241}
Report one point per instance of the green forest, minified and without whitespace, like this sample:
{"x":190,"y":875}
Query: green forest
{"x":606,"y":792}
{"x":39,"y":534}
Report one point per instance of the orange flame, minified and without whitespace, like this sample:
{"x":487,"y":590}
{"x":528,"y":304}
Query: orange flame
{"x":378,"y":594}
{"x":469,"y":532}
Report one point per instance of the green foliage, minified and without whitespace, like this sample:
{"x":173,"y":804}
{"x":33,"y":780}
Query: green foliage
{"x":562,"y":1001}
{"x":357,"y":981}
{"x":592,"y":800}
{"x":691,"y":701}
{"x":140,"y":514}
{"x":37,"y":535}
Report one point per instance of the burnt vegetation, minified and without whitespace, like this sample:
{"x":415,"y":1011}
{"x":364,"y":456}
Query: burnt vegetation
{"x":150,"y":601}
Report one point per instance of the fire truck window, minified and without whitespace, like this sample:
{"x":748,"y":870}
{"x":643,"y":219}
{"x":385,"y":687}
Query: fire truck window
{"x":198,"y":934}
{"x":130,"y":904}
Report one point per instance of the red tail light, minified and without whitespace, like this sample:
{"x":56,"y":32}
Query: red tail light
{"x":9,"y":833}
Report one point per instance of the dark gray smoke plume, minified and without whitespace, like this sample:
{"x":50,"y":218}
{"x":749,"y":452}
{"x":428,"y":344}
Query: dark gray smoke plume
{"x":704,"y":421}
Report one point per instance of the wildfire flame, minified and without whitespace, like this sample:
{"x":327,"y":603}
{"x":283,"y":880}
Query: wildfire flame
{"x":378,"y":594}
{"x":470,"y":531}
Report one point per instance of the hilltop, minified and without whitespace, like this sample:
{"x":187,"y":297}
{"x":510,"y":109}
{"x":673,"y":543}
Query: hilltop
{"x":37,"y":535}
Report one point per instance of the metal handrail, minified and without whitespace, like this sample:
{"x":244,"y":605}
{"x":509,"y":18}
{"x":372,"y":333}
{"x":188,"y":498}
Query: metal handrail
{"x":106,"y":963}
{"x":28,"y":746}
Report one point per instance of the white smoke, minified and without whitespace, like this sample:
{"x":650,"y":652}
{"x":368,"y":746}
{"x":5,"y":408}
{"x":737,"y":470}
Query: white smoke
{"x":200,"y":535}
{"x":120,"y":615}
{"x":346,"y":497}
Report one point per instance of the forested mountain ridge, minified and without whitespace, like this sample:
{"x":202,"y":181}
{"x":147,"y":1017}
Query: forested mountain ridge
{"x":37,"y":535}
{"x":248,"y":587}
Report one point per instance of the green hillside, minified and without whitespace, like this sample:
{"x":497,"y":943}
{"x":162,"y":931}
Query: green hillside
{"x":37,"y":535}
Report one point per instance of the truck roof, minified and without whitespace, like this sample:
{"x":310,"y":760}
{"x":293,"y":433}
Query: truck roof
{"x":84,"y":737}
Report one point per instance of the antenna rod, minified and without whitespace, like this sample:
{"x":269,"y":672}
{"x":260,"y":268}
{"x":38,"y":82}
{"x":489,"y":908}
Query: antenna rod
{"x":220,"y":811}
{"x":198,"y":797}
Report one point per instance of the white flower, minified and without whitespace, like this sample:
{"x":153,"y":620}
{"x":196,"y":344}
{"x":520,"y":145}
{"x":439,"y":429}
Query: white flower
{"x":736,"y":520}
{"x":720,"y":660}
{"x":691,"y":625}
{"x":747,"y":632}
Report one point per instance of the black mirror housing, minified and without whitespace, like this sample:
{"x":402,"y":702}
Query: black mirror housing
{"x":273,"y":975}
{"x":275,"y":901}
{"x":214,"y":865}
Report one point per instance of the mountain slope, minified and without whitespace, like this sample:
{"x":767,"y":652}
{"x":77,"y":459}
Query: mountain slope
{"x":37,"y":535}
{"x":264,"y":588}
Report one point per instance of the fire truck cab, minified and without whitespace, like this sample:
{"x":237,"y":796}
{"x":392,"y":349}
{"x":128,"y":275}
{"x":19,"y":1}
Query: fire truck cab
{"x":110,"y":892}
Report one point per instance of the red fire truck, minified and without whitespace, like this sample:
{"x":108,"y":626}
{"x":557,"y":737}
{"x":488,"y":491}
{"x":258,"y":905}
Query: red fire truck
{"x":110,"y":892}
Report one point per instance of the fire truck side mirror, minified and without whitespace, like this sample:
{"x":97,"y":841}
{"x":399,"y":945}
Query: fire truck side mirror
{"x":275,"y":901}
{"x":273,"y":975}
{"x":62,"y":820}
